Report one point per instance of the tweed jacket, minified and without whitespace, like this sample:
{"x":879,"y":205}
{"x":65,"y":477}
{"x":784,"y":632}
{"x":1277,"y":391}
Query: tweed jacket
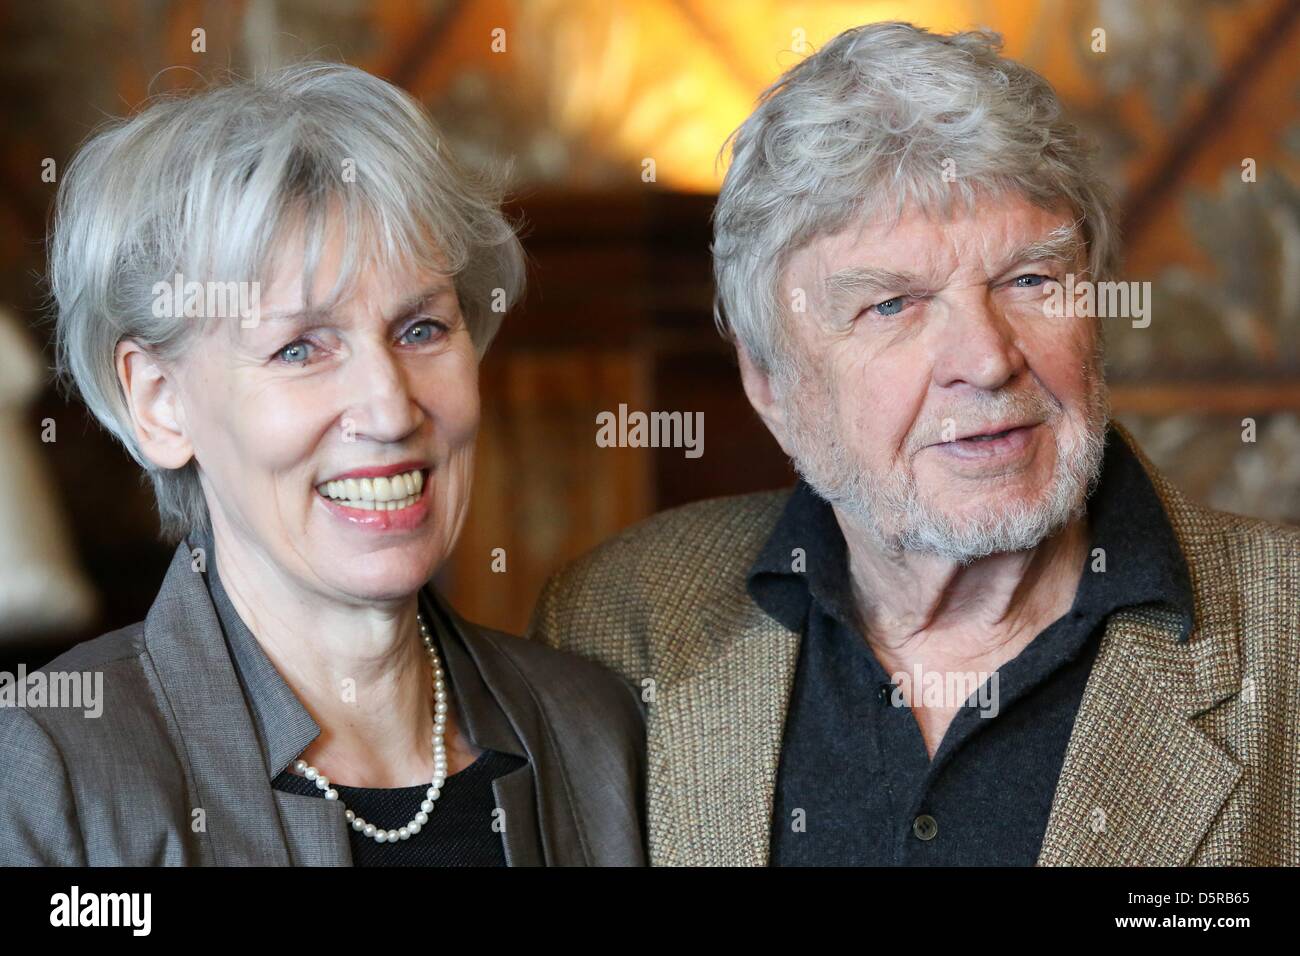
{"x":1181,"y":754}
{"x":177,"y":768}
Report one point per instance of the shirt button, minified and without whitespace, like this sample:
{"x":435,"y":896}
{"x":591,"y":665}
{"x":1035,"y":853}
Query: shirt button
{"x":886,"y":693}
{"x":924,"y":827}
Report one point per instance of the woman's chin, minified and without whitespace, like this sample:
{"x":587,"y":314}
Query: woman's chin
{"x":378,"y":578}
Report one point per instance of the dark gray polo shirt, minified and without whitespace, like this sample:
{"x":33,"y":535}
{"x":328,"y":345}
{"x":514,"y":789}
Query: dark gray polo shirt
{"x":856,"y":785}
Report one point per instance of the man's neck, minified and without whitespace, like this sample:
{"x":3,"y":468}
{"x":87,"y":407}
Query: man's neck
{"x":913,"y":606}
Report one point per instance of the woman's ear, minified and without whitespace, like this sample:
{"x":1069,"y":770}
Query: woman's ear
{"x":759,"y":391}
{"x":154,"y":404}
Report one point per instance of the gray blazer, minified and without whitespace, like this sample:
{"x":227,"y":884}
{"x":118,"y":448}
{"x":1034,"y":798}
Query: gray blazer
{"x":184,"y":729}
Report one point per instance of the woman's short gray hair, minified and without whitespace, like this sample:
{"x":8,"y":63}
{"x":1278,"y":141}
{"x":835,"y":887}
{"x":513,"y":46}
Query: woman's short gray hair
{"x":210,"y":186}
{"x":884,"y":114}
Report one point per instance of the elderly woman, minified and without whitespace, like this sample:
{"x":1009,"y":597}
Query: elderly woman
{"x":276,"y":294}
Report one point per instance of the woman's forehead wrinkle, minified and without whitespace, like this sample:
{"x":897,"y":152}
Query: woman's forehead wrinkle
{"x":374,"y":303}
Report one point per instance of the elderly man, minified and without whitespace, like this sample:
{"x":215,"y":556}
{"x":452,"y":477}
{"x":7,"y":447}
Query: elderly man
{"x":983,"y":629}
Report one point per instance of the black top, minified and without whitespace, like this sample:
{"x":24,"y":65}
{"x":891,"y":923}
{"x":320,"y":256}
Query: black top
{"x":856,"y":785}
{"x":463,"y":828}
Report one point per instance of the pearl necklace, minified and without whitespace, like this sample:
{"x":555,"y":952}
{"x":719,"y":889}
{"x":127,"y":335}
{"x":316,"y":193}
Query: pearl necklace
{"x":439,"y":760}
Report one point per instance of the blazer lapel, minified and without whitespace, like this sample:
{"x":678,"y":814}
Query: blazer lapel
{"x":316,"y":830}
{"x":715,"y":733}
{"x":486,"y":695}
{"x":239,"y":820}
{"x":516,"y":795}
{"x":1141,"y":783}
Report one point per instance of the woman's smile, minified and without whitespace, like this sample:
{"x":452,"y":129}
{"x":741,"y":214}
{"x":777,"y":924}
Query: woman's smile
{"x":391,"y":498}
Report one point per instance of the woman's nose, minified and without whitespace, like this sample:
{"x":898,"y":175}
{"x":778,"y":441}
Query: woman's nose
{"x":383,"y":405}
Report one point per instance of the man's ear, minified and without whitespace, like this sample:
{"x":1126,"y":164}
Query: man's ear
{"x":759,"y":391}
{"x":152,"y":399}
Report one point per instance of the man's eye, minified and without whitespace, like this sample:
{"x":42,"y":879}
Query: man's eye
{"x":1030,"y":281}
{"x":891,"y":306}
{"x":295,"y":353}
{"x":426,"y":330}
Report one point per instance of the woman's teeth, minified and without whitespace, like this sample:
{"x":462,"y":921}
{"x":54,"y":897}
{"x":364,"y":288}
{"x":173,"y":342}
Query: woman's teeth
{"x":376,"y":494}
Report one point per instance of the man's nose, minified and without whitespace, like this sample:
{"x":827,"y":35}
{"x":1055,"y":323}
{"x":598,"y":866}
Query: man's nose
{"x":977,"y":346}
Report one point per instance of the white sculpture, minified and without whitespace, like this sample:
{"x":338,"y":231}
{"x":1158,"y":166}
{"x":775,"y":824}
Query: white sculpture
{"x":42,"y":589}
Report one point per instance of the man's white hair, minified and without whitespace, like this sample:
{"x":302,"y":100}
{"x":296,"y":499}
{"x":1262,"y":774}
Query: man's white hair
{"x":211,"y":185}
{"x":884,"y":116}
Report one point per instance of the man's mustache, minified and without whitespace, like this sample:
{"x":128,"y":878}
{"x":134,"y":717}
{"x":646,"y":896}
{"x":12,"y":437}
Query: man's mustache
{"x":974,"y":421}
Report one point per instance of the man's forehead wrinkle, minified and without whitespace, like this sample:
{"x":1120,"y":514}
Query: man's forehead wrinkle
{"x":1064,"y":243}
{"x":933,"y":253}
{"x":848,"y":282}
{"x":914,"y":267}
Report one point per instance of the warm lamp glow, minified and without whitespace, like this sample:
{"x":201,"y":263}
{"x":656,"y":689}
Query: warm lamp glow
{"x":669,"y":81}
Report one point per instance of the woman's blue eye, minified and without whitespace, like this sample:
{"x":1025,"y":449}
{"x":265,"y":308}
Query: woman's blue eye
{"x":891,"y":306}
{"x":433,"y":329}
{"x":300,"y":348}
{"x":1029,"y":282}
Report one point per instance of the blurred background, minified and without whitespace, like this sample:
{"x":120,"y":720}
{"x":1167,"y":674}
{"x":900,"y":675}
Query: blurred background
{"x":1193,"y":104}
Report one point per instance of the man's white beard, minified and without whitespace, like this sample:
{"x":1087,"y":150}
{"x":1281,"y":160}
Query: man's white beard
{"x":891,"y":509}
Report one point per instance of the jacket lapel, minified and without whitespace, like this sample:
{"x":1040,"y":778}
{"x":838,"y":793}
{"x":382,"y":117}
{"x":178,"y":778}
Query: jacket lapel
{"x":1141,"y":783}
{"x":316,"y":830}
{"x":487,"y":701}
{"x":228,"y":776}
{"x":516,"y":795}
{"x":715,"y":734}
